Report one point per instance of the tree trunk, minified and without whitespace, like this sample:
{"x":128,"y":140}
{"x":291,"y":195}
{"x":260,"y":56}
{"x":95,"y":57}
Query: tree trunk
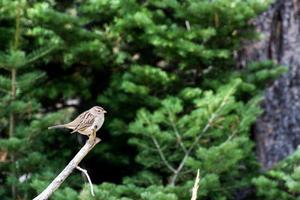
{"x":277,"y":131}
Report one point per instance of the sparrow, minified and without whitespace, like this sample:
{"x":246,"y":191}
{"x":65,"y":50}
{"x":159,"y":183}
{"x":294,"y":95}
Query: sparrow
{"x":87,"y":123}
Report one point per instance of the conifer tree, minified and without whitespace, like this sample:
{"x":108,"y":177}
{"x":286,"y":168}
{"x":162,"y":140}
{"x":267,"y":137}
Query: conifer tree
{"x":20,"y":108}
{"x":164,"y":70}
{"x":282,"y":181}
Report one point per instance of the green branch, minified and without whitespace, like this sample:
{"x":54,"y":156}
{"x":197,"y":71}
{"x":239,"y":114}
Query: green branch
{"x":196,"y":141}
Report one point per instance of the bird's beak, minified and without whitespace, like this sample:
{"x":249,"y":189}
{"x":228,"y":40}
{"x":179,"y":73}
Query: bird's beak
{"x":104,"y":111}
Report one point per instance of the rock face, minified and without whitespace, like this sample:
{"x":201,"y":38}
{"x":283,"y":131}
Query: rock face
{"x":277,"y":131}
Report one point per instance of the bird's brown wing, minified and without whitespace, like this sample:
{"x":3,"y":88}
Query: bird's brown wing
{"x":83,"y":121}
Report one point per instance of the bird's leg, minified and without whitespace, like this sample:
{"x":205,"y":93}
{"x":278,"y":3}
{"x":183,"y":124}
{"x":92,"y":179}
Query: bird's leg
{"x":92,"y":136}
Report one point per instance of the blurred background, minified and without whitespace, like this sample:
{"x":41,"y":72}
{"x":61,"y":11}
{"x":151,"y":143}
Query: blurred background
{"x":196,"y":84}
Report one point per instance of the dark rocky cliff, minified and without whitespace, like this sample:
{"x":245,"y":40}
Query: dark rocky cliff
{"x":277,"y":131}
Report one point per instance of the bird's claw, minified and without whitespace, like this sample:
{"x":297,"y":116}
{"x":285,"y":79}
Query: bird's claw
{"x":93,"y":137}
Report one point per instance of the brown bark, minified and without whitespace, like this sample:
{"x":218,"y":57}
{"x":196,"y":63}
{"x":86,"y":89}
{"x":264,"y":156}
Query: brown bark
{"x":277,"y":131}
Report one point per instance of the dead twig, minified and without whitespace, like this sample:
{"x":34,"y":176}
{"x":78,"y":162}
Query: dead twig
{"x":88,"y":178}
{"x":196,"y":186}
{"x":54,"y":185}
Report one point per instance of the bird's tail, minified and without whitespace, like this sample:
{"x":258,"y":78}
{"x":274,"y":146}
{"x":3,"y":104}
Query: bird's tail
{"x":57,"y":126}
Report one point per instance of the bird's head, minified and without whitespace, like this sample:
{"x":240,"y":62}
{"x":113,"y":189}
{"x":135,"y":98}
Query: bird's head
{"x":97,"y":110}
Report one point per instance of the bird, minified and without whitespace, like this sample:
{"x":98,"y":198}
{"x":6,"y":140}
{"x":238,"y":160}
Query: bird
{"x":87,"y":123}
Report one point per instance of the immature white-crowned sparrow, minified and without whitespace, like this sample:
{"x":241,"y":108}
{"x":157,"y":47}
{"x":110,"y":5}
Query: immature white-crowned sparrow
{"x":87,"y":123}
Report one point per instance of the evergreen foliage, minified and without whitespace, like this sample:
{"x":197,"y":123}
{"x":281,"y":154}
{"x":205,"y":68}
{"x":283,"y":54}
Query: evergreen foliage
{"x":164,"y":70}
{"x":281,"y":182}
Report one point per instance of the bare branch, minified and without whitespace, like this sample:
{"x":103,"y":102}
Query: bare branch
{"x":162,"y":156}
{"x":178,"y":137}
{"x":89,"y":179}
{"x":54,"y":185}
{"x":187,"y":24}
{"x":196,"y":186}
